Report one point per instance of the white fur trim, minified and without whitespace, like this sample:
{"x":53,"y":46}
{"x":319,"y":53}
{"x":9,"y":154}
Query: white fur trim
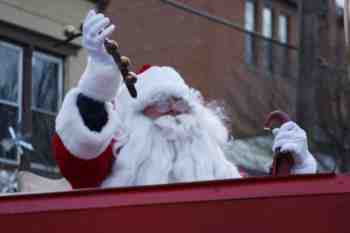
{"x":76,"y":137}
{"x":308,"y":166}
{"x":151,"y":83}
{"x":100,"y":81}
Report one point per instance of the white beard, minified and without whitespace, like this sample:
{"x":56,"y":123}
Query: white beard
{"x":184,"y":148}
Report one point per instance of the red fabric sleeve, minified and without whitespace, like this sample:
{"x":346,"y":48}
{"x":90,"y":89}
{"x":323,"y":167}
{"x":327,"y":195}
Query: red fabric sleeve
{"x":79,"y":172}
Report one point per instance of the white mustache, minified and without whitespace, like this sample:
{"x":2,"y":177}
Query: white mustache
{"x":180,"y":127}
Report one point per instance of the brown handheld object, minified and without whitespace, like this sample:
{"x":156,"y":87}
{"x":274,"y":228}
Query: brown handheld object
{"x":282,"y":162}
{"x":123,"y":64}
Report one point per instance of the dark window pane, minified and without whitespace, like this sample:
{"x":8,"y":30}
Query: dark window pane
{"x":249,"y":49}
{"x":44,"y":128}
{"x":10,"y":69}
{"x":46,"y":78}
{"x":267,"y":46}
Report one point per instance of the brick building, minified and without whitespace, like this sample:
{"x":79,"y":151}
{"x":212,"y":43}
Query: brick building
{"x":331,"y":29}
{"x":332,"y":95}
{"x":252,"y":71}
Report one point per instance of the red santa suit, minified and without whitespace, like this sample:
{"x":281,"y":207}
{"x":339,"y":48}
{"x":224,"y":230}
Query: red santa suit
{"x":126,"y":145}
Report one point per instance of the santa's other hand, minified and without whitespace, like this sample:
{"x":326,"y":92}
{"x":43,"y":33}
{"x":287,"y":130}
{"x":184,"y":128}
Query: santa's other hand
{"x":293,"y":139}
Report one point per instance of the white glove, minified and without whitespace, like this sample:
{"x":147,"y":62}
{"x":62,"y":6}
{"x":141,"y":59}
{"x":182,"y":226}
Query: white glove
{"x":102,"y":77}
{"x":95,"y":31}
{"x":291,"y":138}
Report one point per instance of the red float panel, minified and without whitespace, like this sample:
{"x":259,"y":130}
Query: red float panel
{"x":315,"y":203}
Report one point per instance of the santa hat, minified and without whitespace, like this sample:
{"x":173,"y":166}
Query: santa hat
{"x":152,"y":83}
{"x":144,"y":68}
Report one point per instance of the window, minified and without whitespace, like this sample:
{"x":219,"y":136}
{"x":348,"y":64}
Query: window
{"x":31,"y":91}
{"x":46,"y":91}
{"x":282,"y":53}
{"x":47,"y":82}
{"x":267,"y":22}
{"x":283,"y":29}
{"x":11,"y":59}
{"x":267,"y":26}
{"x":10,"y":72}
{"x":249,"y":25}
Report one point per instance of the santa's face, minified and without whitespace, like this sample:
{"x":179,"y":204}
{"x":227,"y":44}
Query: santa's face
{"x":172,"y":106}
{"x":169,"y":115}
{"x":172,"y":139}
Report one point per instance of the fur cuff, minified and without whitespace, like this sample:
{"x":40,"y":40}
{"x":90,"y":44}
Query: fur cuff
{"x":308,"y":166}
{"x":100,"y":81}
{"x":78,"y":139}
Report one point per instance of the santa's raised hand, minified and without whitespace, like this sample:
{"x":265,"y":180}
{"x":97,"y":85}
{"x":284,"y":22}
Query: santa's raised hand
{"x":102,"y":77}
{"x":293,"y":139}
{"x":96,"y":29}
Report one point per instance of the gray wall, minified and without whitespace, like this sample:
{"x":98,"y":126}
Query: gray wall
{"x":48,"y":17}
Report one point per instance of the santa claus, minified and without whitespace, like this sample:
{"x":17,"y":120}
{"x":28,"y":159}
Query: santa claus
{"x":106,"y":138}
